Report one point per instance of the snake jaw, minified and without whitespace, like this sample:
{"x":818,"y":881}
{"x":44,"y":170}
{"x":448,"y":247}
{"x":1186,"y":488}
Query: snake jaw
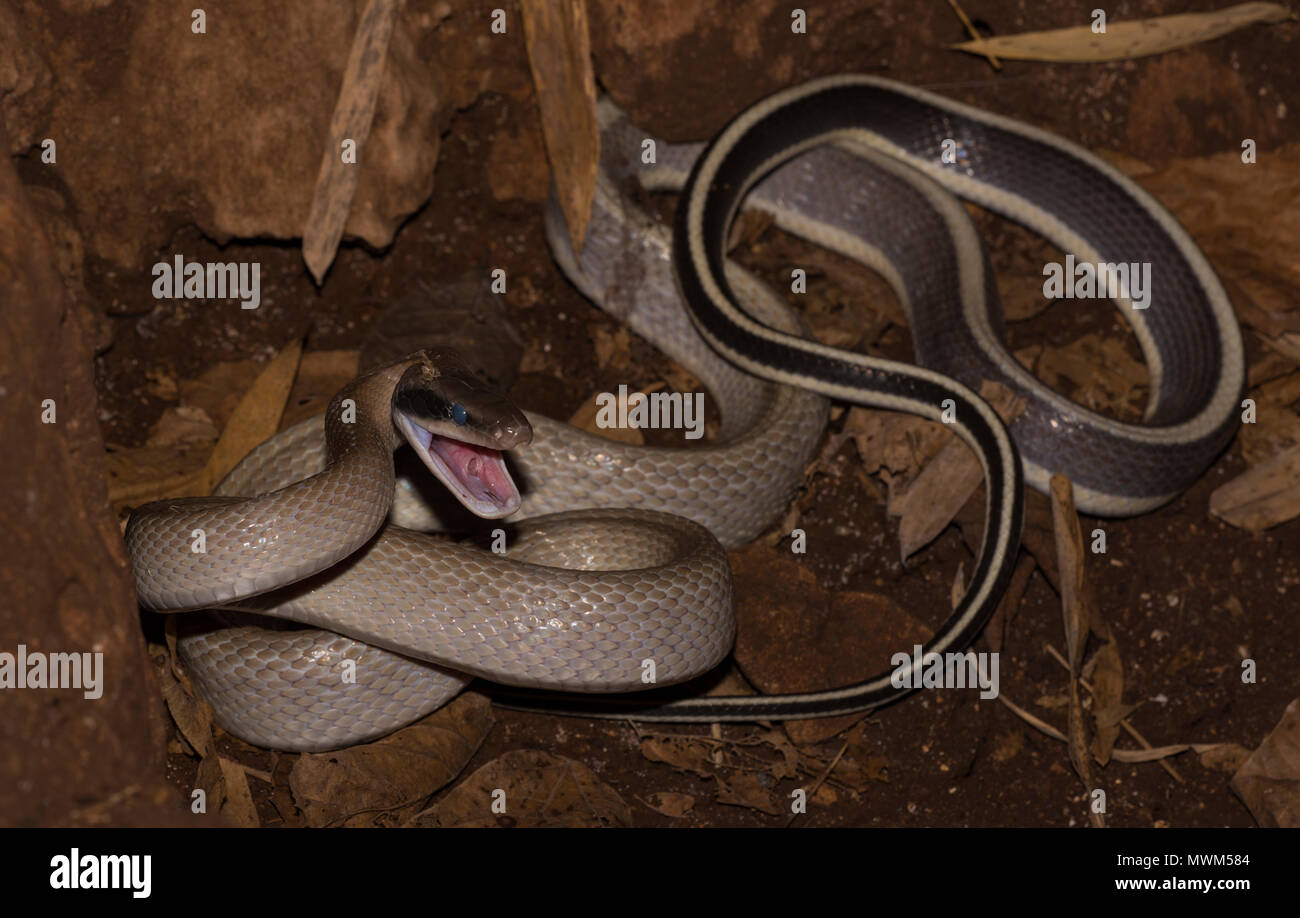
{"x":477,"y":475}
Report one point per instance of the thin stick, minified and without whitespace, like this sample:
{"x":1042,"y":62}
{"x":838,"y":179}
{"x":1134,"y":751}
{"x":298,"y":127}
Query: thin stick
{"x":974,"y":34}
{"x":1128,"y":727}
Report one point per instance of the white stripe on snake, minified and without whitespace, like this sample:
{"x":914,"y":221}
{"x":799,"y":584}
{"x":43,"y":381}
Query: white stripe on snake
{"x":292,"y":697}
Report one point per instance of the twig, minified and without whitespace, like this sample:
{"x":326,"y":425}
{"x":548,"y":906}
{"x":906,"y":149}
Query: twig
{"x":1128,"y":727}
{"x":816,"y":785}
{"x":974,"y":34}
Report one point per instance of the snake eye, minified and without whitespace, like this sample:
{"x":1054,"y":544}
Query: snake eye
{"x":459,"y":414}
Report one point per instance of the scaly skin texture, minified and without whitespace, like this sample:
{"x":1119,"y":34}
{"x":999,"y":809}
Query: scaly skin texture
{"x":409,"y":617}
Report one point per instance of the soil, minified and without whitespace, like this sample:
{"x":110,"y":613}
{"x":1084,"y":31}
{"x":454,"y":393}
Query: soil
{"x":1186,"y":596}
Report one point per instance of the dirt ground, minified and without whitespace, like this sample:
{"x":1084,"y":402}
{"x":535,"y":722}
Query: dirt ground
{"x":1186,"y":596}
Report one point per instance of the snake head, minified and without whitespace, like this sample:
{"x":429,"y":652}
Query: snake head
{"x":460,"y":425}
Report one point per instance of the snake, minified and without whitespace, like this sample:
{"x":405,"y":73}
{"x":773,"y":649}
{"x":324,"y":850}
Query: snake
{"x":862,"y":165}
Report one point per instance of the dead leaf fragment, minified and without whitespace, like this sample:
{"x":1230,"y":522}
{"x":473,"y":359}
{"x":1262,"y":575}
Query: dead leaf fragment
{"x":1263,"y":496}
{"x":363,"y":785}
{"x":1269,"y":781}
{"x":671,"y":804}
{"x":1108,"y":699}
{"x":1127,"y":39}
{"x":946,"y":482}
{"x":748,"y":790}
{"x":238,"y":807}
{"x":256,"y":417}
{"x":529,"y":788}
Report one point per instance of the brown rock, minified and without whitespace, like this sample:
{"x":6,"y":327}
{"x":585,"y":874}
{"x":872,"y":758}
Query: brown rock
{"x":794,"y":637}
{"x":158,"y":127}
{"x":70,"y":759}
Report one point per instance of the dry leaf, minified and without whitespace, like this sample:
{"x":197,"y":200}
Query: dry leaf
{"x":168,"y":465}
{"x":256,"y":417}
{"x":670,"y":804}
{"x":1263,"y":496}
{"x":1108,"y":698}
{"x":613,"y":349}
{"x":238,"y":806}
{"x":359,"y":785}
{"x":193,"y":716}
{"x":321,"y":374}
{"x":585,"y":418}
{"x":1124,"y":40}
{"x":1096,"y":371}
{"x":1074,"y":611}
{"x":1008,"y":746}
{"x":858,"y":775}
{"x":747,"y":790}
{"x":217,"y":389}
{"x":684,"y":753}
{"x":946,"y":482}
{"x":529,"y":788}
{"x":1269,"y":781}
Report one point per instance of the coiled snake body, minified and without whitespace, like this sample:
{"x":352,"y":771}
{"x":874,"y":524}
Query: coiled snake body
{"x":418,"y":614}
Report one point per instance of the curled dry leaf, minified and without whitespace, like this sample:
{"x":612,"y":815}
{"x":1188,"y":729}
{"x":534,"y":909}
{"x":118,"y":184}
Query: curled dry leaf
{"x":1262,"y":497}
{"x":1276,"y":427}
{"x":1269,"y":781}
{"x":1108,"y":701}
{"x":360,"y":785}
{"x":528,"y":788}
{"x":1096,"y":371}
{"x":750,"y":791}
{"x":193,"y":716}
{"x":683,"y":752}
{"x":238,"y":806}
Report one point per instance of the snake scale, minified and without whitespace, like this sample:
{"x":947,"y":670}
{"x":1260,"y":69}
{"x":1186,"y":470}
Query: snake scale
{"x":402,"y":620}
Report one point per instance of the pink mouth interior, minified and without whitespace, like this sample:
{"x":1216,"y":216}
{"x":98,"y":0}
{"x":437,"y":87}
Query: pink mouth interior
{"x":479,"y":471}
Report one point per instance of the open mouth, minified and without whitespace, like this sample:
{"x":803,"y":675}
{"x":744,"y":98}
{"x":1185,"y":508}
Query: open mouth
{"x":477,"y":475}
